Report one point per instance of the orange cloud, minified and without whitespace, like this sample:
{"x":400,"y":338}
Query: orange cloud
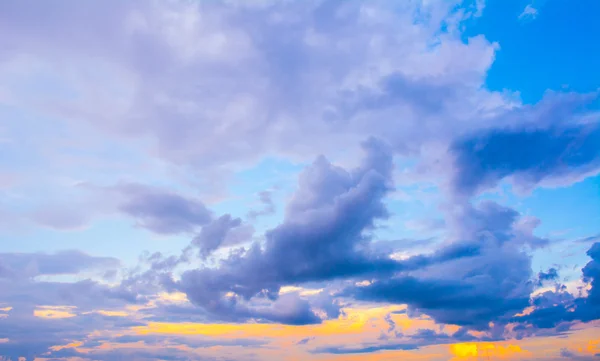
{"x":111,"y":313}
{"x":54,"y":312}
{"x":5,"y":311}
{"x":70,"y":345}
{"x":591,"y":347}
{"x":473,"y":350}
{"x":354,"y":323}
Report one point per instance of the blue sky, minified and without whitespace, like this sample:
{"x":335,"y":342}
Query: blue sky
{"x":345,"y":180}
{"x":550,"y":51}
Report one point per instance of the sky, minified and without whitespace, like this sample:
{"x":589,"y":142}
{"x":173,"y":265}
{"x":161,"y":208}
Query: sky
{"x":299,"y":180}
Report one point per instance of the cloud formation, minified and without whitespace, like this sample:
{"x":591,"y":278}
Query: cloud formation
{"x":528,"y":156}
{"x":322,"y":237}
{"x":160,"y":211}
{"x":28,"y":265}
{"x":488,"y":284}
{"x":147,"y":128}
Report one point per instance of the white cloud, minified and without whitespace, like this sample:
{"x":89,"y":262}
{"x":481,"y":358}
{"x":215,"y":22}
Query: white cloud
{"x":211,"y":84}
{"x":529,"y":13}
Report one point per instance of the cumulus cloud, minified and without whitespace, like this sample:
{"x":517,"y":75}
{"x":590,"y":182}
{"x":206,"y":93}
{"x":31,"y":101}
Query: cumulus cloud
{"x":489,"y":280}
{"x":324,"y":236}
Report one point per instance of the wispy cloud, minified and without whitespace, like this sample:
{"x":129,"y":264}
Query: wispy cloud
{"x":529,"y":13}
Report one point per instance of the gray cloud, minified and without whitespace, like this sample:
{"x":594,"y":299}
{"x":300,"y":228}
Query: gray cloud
{"x":59,"y":263}
{"x":529,"y":156}
{"x":162,"y":211}
{"x":223,"y":231}
{"x":485,"y":275}
{"x":324,"y":236}
{"x":271,"y":79}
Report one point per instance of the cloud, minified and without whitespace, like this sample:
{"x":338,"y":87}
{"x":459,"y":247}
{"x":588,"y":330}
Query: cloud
{"x":571,"y":355}
{"x":60,"y":218}
{"x":368,"y":349}
{"x":211,"y":87}
{"x":156,"y":209}
{"x":304,"y":341}
{"x":269,"y":206}
{"x":484,"y":275}
{"x":33,"y":330}
{"x":528,"y":156}
{"x":591,"y":274}
{"x":420,"y":338}
{"x":590,"y":239}
{"x":556,"y":309}
{"x":550,"y":275}
{"x":298,"y":79}
{"x":223,"y":231}
{"x":19,"y":265}
{"x":322,"y":237}
{"x":325,"y":236}
{"x":529,"y":13}
{"x":161,"y":211}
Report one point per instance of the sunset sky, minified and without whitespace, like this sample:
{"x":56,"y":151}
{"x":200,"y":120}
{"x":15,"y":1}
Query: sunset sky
{"x":294,"y":180}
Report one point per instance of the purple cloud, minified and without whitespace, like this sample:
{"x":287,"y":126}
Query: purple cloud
{"x":161,"y":211}
{"x":529,"y":156}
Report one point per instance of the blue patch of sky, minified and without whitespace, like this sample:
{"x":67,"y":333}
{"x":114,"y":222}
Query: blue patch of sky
{"x":557,"y":50}
{"x":278,"y":176}
{"x":108,"y":237}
